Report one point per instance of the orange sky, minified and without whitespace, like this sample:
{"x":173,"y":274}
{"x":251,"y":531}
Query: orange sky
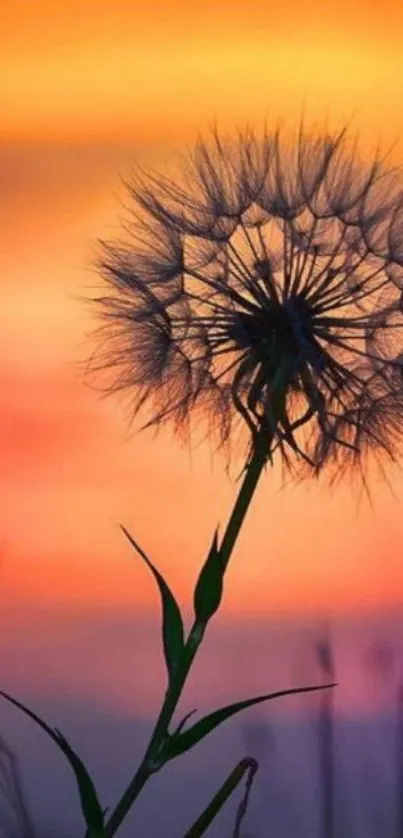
{"x":85,"y":87}
{"x":131,"y":69}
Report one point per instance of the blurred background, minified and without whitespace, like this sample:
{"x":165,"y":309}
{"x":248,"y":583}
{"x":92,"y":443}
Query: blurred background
{"x":87,"y":88}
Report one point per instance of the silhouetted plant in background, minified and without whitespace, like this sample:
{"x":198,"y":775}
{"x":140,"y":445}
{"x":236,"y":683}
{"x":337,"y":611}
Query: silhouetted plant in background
{"x":382,"y":659}
{"x":260,"y":294}
{"x":12,"y":792}
{"x":399,"y":742}
{"x":324,"y":653}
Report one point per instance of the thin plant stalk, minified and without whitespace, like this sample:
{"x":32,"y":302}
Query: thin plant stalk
{"x":14,"y":791}
{"x":399,"y":740}
{"x":326,"y":743}
{"x":326,"y":735}
{"x":149,"y":764}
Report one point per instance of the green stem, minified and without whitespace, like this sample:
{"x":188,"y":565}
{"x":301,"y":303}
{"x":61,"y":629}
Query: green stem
{"x":253,"y":471}
{"x":147,"y":767}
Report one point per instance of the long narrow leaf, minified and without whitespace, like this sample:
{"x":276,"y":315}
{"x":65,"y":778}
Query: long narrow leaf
{"x":182,"y":742}
{"x":220,"y":798}
{"x":90,"y":805}
{"x":172,"y":624}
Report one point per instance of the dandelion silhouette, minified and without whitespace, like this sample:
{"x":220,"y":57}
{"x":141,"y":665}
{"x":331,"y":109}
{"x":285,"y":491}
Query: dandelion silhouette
{"x":260,"y":291}
{"x":263,"y":289}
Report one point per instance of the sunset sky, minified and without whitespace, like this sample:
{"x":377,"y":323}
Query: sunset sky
{"x":86,"y":87}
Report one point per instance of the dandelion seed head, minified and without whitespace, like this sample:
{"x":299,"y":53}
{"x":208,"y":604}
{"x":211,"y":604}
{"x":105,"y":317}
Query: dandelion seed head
{"x":262,"y":290}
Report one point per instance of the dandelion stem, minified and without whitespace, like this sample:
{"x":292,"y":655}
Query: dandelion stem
{"x":152,"y":761}
{"x":254,"y":470}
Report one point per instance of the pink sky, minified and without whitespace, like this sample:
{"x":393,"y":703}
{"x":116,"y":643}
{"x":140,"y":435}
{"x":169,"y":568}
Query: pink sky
{"x":69,"y":474}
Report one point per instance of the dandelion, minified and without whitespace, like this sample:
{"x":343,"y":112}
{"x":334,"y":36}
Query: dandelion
{"x":262,"y":290}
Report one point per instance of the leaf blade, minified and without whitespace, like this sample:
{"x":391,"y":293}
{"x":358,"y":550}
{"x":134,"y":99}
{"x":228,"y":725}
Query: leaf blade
{"x":237,"y":774}
{"x":90,"y":806}
{"x":172,"y":623}
{"x":186,"y":740}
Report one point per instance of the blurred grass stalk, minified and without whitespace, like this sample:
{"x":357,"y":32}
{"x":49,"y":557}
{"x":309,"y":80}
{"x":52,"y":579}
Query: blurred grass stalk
{"x":13,"y":792}
{"x":325,"y":657}
{"x":399,"y":742}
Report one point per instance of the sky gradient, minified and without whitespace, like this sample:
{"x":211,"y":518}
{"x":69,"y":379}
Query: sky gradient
{"x":88,"y":87}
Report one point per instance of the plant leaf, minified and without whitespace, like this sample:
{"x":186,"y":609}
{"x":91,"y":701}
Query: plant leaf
{"x":220,"y":798}
{"x":90,"y":805}
{"x":172,"y":624}
{"x":209,"y":586}
{"x":178,"y":744}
